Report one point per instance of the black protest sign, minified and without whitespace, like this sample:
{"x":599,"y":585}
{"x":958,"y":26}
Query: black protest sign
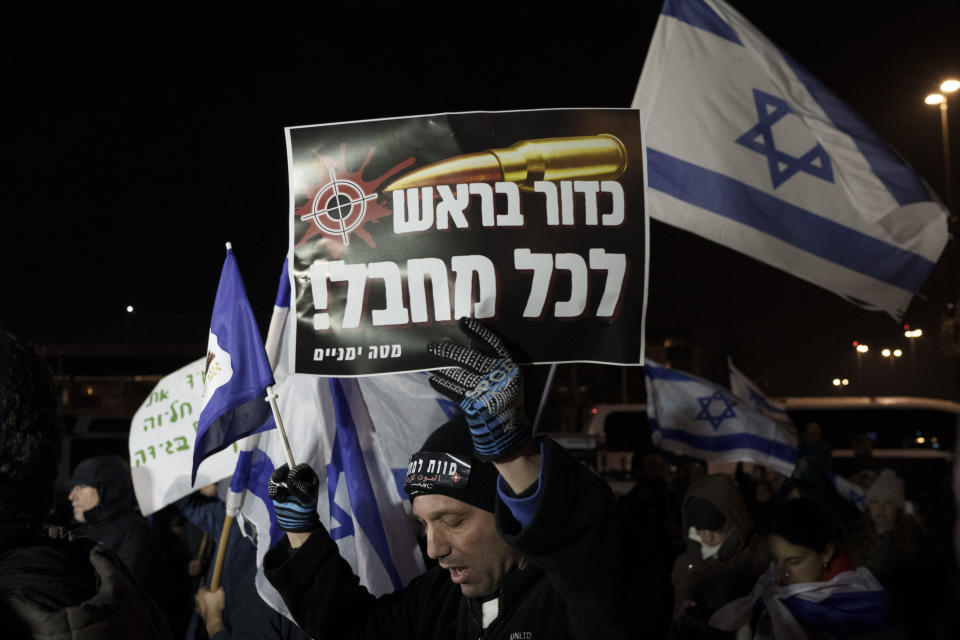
{"x":531,"y":221}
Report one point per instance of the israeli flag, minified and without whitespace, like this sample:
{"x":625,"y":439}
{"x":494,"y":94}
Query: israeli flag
{"x":694,"y":417}
{"x":745,"y":389}
{"x":358,"y":435}
{"x":236,"y":372}
{"x":851,"y":604}
{"x":747,"y":149}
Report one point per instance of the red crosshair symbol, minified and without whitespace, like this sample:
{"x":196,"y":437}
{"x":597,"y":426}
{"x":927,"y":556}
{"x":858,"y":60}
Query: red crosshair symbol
{"x":338,"y":206}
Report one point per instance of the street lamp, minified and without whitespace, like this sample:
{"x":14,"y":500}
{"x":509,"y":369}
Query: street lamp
{"x":947,"y":86}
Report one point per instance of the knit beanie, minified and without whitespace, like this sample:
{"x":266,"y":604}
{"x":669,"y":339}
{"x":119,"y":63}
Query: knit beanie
{"x":446,"y":465}
{"x":887,"y":486}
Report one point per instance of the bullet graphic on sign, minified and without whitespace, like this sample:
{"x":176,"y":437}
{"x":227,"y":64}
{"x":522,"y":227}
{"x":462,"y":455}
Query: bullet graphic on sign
{"x":600,"y":157}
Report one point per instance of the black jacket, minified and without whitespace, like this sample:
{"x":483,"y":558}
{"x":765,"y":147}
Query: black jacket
{"x":115,"y":521}
{"x":572,"y":585}
{"x":72,"y":589}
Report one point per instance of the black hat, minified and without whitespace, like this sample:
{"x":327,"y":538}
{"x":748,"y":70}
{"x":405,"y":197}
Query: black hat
{"x":446,"y":465}
{"x":702,"y":514}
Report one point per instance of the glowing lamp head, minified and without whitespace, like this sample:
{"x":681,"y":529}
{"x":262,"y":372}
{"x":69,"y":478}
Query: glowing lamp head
{"x":949,"y":86}
{"x":934,"y":99}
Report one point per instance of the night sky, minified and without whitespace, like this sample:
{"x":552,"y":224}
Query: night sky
{"x":134,"y":149}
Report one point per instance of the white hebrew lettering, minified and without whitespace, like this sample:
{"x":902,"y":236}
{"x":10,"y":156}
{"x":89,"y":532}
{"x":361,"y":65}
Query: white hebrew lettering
{"x":464,"y":267}
{"x":577,"y":267}
{"x":549,"y":191}
{"x":417,"y":271}
{"x":513,"y":217}
{"x":617,"y":213}
{"x":452,"y":206}
{"x":485,"y":192}
{"x":589,"y":189}
{"x":542,"y":266}
{"x":615,"y":265}
{"x":394,"y":312}
{"x":355,"y":275}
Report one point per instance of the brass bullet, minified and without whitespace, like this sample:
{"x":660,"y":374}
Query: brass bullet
{"x":600,"y":157}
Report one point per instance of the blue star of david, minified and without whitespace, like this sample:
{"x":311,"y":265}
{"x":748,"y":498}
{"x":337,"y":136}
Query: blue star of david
{"x":715,"y":420}
{"x":770,"y":110}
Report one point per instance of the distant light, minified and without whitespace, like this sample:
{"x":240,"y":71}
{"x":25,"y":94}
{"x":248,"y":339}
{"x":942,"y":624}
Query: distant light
{"x":885,"y":353}
{"x":934,"y":98}
{"x":906,"y":327}
{"x":856,"y":342}
{"x":950,"y":85}
{"x":89,"y":391}
{"x":845,"y":382}
{"x":129,"y":308}
{"x":921,"y":440}
{"x":836,"y":382}
{"x":916,"y":333}
{"x":862,"y":348}
{"x":897,"y":353}
{"x":934,"y":439}
{"x":594,"y":411}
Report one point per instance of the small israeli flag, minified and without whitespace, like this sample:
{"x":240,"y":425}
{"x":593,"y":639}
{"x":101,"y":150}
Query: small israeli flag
{"x":694,"y":417}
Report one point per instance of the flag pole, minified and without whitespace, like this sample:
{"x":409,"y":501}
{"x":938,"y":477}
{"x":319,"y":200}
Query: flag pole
{"x":544,"y":396}
{"x":272,"y":399}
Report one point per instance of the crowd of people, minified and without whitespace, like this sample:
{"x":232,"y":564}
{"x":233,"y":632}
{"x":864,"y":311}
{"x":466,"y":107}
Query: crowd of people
{"x":521,"y":540}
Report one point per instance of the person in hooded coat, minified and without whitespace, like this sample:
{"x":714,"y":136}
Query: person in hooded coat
{"x":724,"y":556}
{"x":50,"y":586}
{"x":105,"y":510}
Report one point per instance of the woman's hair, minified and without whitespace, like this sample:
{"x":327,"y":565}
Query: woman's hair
{"x":807,"y":523}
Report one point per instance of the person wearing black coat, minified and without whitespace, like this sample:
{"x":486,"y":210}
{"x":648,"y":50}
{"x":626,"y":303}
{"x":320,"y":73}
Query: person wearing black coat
{"x":105,"y":510}
{"x":51,"y":586}
{"x":527,"y":540}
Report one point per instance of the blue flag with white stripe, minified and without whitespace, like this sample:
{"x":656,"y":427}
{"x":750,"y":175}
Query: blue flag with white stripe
{"x":236,"y":373}
{"x":694,"y":417}
{"x":747,"y":149}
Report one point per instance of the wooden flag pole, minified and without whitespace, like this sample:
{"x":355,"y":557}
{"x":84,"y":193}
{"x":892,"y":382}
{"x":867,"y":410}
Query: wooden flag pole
{"x":221,"y":553}
{"x":203,"y":546}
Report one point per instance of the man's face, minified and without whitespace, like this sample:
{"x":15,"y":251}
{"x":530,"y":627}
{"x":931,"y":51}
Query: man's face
{"x":465,"y":541}
{"x":83,"y":498}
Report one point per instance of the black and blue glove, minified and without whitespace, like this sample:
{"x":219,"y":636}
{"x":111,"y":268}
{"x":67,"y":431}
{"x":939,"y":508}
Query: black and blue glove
{"x":294,"y":493}
{"x":487,"y":383}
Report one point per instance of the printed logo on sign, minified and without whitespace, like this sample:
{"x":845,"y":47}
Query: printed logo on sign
{"x":218,"y":369}
{"x":521,"y":635}
{"x":339,"y":207}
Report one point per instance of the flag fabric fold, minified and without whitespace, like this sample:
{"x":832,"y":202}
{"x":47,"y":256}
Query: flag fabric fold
{"x":694,"y":417}
{"x":236,"y":373}
{"x":747,"y":149}
{"x":745,"y":389}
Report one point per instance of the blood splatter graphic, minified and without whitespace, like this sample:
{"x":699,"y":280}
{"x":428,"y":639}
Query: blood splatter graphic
{"x":323,"y":164}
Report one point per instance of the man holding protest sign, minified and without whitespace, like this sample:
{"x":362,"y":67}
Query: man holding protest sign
{"x":525,"y":537}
